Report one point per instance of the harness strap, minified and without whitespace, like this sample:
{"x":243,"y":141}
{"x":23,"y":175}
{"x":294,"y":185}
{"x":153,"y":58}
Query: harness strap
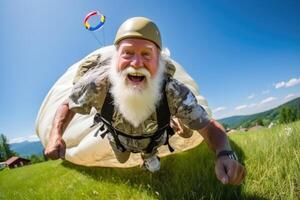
{"x":170,"y":132}
{"x":162,"y":111}
{"x":106,"y":116}
{"x":163,"y":122}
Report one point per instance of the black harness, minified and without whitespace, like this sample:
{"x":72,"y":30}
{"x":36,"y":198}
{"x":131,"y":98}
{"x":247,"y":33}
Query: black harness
{"x":163,"y":121}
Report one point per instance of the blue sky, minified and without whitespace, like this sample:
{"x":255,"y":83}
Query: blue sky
{"x":245,"y":55}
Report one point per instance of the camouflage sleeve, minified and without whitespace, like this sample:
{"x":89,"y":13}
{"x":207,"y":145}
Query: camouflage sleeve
{"x":89,"y":63}
{"x":183,"y":104}
{"x":87,"y":93}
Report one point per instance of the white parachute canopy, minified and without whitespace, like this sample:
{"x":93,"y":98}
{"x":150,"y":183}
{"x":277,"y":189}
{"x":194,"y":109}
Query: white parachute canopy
{"x":82,"y":147}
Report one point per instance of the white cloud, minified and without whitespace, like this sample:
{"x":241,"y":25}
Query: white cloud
{"x":219,"y":109}
{"x":241,"y":107}
{"x":30,"y":138}
{"x":267,"y":100}
{"x":279,"y":85}
{"x":289,"y":96}
{"x":252,"y":105}
{"x":292,"y":82}
{"x":251,"y":96}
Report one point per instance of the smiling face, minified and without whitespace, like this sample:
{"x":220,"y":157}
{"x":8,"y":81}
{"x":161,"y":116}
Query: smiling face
{"x":139,"y":59}
{"x":136,"y":74}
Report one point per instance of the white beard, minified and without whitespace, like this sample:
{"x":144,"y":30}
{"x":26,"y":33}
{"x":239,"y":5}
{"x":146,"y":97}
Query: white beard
{"x":135,"y":104}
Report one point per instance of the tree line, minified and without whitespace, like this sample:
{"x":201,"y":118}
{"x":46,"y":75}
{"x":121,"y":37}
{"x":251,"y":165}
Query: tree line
{"x":5,"y":151}
{"x":287,"y":114}
{"x":284,"y":115}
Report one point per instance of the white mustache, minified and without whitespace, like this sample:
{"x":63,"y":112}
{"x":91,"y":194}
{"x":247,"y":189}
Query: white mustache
{"x":131,"y":69}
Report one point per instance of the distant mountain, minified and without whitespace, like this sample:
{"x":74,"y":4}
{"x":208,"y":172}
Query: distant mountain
{"x":267,"y":116}
{"x":27,"y":148}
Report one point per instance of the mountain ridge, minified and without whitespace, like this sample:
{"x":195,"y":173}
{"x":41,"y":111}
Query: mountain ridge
{"x":27,"y":148}
{"x":269,"y":115}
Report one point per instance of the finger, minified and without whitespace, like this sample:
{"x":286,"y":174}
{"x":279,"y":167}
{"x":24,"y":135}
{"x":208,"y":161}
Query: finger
{"x":179,"y":129}
{"x":174,"y":125}
{"x":241,"y":176}
{"x":172,"y":122}
{"x":180,"y":125}
{"x":62,"y":149}
{"x":62,"y":152}
{"x":220,"y":171}
{"x":53,"y":154}
{"x":179,"y":132}
{"x":233,"y":172}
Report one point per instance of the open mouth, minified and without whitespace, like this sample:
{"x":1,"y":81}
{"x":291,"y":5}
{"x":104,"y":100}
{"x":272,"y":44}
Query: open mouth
{"x":136,"y":77}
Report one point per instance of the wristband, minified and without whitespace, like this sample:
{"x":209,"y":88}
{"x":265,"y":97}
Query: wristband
{"x":231,"y":154}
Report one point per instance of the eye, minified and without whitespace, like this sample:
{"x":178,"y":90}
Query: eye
{"x":127,"y":53}
{"x":147,"y":55}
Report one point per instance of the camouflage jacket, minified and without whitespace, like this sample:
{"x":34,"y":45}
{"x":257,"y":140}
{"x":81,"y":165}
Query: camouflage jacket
{"x":90,"y":92}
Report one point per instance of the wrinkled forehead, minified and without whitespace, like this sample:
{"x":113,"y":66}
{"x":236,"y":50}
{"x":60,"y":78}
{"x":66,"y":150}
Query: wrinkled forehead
{"x":134,"y":43}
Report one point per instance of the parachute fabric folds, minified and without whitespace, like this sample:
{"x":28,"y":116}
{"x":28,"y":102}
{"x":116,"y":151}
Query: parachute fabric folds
{"x":82,"y":147}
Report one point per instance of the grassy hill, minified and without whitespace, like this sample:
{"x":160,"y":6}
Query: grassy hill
{"x":270,"y":115}
{"x":271,"y":156}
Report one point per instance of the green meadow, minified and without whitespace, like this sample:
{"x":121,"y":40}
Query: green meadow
{"x":271,"y":157}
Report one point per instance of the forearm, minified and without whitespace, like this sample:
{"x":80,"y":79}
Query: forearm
{"x":215,"y":136}
{"x":61,"y":120}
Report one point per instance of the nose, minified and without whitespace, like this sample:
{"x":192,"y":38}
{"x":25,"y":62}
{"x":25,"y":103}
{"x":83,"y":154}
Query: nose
{"x":137,"y":61}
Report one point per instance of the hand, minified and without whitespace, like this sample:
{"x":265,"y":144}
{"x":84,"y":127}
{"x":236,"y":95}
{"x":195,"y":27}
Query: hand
{"x":180,"y":129}
{"x":174,"y":123}
{"x":229,"y":171}
{"x":56,"y":148}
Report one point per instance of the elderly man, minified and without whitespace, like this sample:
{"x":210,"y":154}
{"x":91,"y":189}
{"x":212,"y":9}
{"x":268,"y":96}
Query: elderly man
{"x":135,"y":98}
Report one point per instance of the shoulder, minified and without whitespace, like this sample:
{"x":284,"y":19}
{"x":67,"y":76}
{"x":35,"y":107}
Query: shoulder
{"x":91,"y":63}
{"x":88,"y":93}
{"x":175,"y":88}
{"x":178,"y":95}
{"x":91,"y":85}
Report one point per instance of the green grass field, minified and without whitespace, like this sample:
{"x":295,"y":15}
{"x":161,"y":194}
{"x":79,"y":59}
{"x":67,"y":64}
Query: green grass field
{"x":271,"y":156}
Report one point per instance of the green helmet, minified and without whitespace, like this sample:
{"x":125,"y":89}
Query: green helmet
{"x":139,"y":27}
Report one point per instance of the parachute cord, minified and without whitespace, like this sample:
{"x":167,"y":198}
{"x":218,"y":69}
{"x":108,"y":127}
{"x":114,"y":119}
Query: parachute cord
{"x":103,"y":35}
{"x":96,"y":38}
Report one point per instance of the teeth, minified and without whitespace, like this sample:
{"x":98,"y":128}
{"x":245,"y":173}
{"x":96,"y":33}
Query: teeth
{"x":136,"y":74}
